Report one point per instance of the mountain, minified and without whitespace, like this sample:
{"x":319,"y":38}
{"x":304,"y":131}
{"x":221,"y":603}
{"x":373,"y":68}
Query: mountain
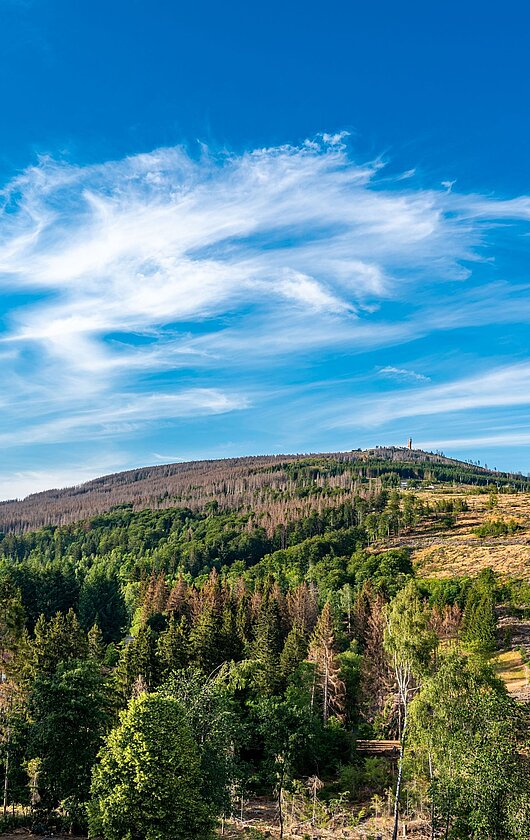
{"x":256,"y":605}
{"x":276,"y":486}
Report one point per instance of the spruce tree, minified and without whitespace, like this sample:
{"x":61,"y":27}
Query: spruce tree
{"x":294,"y":651}
{"x":138,"y":661}
{"x":478,"y":620}
{"x":204,"y":640}
{"x":60,"y":639}
{"x":177,"y":601}
{"x":12,"y":617}
{"x":265,"y":649}
{"x":96,"y":645}
{"x":323,"y":655}
{"x":101,"y":602}
{"x":229,"y":641}
{"x":173,"y":647}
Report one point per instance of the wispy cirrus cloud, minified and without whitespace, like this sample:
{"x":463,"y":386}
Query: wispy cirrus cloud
{"x":160,"y":238}
{"x":475,"y":442}
{"x":152,"y":278}
{"x":505,"y":386}
{"x":403,"y":374}
{"x":124,"y":415}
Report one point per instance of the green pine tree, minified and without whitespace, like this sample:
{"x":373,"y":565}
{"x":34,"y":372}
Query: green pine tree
{"x":294,"y":651}
{"x":173,"y":647}
{"x":205,"y":652}
{"x":61,"y":639}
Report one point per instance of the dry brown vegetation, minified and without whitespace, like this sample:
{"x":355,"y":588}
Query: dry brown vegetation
{"x":510,"y":667}
{"x":260,"y":482}
{"x":439,"y":551}
{"x":261,"y":820}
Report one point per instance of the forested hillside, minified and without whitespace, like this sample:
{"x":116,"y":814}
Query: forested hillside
{"x":230,"y":657}
{"x":271,"y":486}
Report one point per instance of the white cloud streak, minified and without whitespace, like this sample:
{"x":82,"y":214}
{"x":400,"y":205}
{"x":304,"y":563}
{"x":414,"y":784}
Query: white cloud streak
{"x":126,"y":414}
{"x":504,"y":386}
{"x":403,"y":374}
{"x":474,"y":442}
{"x":169,"y":262}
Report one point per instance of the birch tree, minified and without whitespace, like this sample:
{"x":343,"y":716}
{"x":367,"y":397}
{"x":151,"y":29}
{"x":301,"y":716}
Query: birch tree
{"x":467,"y":730}
{"x":409,"y":642}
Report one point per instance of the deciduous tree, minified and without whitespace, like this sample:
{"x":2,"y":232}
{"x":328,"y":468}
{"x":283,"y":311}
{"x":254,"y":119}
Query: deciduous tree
{"x":409,"y":642}
{"x":147,"y":782}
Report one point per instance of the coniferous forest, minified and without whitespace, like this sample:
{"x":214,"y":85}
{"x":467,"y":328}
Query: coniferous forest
{"x":269,"y":660}
{"x":264,"y":420}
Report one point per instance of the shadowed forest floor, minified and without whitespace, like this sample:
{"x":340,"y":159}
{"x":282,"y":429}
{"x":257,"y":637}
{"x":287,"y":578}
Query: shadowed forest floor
{"x":19,"y":833}
{"x":261,"y":820}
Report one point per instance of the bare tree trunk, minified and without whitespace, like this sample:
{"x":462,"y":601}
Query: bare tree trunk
{"x":432,"y":796}
{"x":326,"y":695}
{"x":400,"y":777}
{"x":280,"y":804}
{"x":6,"y":770}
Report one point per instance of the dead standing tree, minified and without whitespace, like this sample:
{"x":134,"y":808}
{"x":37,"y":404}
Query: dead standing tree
{"x":327,"y":671}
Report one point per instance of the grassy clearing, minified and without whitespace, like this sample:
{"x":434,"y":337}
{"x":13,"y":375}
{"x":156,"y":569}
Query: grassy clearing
{"x":438,"y":551}
{"x":510,"y":667}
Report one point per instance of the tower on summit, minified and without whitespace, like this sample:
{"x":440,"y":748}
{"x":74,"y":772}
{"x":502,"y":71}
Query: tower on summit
{"x":409,"y":443}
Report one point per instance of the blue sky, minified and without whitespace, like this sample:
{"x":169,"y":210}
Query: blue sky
{"x":228,"y":229}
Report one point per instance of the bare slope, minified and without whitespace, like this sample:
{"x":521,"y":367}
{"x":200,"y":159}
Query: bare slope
{"x":439,"y":551}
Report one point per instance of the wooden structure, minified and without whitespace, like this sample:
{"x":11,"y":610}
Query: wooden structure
{"x":390,"y":748}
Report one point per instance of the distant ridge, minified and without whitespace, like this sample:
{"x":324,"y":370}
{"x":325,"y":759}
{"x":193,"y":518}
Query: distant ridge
{"x":231,"y":483}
